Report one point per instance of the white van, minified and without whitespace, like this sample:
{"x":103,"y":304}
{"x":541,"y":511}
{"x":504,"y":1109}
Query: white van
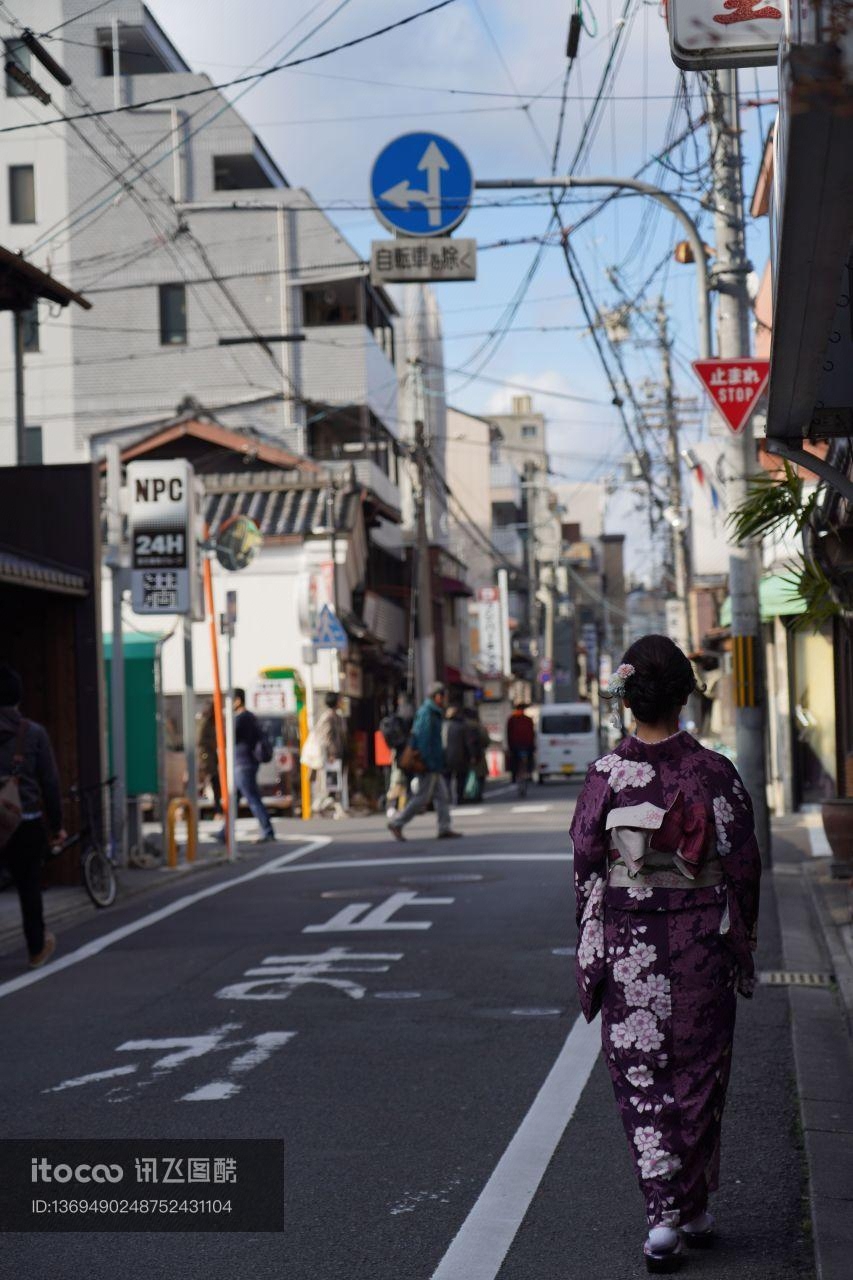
{"x":567,"y":739}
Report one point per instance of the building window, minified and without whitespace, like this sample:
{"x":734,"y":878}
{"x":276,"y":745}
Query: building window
{"x":17,"y":51}
{"x":30,"y":324}
{"x":136,"y":54}
{"x":33,"y":456}
{"x":22,"y":193}
{"x":332,"y":303}
{"x":529,"y":430}
{"x":238,"y":173}
{"x":173,"y":315}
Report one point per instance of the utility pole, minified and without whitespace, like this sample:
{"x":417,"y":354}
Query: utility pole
{"x":425,"y":665}
{"x":733,"y":325}
{"x":677,"y":530}
{"x":529,"y":509}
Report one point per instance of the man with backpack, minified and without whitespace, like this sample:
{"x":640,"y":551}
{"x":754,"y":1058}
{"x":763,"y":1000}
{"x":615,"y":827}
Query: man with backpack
{"x":425,"y":754}
{"x":251,"y":749}
{"x":31,"y":810}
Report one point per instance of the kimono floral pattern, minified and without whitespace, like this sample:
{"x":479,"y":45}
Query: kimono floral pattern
{"x":663,"y":966}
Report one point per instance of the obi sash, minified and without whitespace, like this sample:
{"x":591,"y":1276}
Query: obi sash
{"x":672,"y":848}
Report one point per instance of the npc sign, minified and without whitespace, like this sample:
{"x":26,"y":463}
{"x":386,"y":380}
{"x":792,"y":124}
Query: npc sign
{"x":163,"y":551}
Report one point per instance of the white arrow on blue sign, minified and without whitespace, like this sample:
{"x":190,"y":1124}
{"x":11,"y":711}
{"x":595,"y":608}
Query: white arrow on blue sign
{"x":421,"y":185}
{"x":328,"y":633}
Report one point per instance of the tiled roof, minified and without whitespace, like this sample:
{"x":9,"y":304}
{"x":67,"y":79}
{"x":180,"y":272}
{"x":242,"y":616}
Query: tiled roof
{"x":23,"y":572}
{"x":284,"y":513}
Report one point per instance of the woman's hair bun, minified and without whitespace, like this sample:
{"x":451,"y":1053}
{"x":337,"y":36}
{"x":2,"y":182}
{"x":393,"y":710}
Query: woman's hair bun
{"x":662,"y":681}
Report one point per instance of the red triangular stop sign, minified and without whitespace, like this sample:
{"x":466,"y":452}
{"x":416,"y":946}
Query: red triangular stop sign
{"x":734,"y":386}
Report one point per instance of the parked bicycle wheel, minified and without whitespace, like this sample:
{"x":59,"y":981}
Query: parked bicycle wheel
{"x":99,"y":877}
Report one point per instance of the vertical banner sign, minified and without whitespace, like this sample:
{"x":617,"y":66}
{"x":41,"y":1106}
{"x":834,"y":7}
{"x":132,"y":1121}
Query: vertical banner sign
{"x":490,"y":659}
{"x":162,"y":524}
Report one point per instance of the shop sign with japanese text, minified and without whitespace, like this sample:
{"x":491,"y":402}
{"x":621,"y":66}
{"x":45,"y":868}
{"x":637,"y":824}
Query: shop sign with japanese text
{"x":705,"y":34}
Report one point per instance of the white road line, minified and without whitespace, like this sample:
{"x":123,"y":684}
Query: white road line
{"x":499,"y":791}
{"x":466,"y":812}
{"x":345,"y":864}
{"x":125,"y":931}
{"x":483,"y":1241}
{"x":531,"y":808}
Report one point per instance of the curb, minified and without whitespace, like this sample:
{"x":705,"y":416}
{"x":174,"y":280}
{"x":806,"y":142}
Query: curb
{"x":823,"y":1062}
{"x":842,"y":964}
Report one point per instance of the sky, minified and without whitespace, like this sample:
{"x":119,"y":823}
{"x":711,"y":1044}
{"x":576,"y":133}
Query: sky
{"x":488,"y":74}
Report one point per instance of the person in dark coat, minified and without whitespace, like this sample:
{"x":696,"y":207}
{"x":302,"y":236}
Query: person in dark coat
{"x":456,"y":759}
{"x":247,"y":736}
{"x":208,"y":757}
{"x":25,"y":751}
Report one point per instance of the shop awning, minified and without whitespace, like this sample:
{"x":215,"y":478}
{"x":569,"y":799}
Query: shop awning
{"x":467,"y":679}
{"x":778,"y":598}
{"x":137,"y":645}
{"x":21,"y":571}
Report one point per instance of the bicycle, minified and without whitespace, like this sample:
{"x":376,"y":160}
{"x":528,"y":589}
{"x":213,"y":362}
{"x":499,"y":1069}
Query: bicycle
{"x":522,"y":773}
{"x":96,"y":863}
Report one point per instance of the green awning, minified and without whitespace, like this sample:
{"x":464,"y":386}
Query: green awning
{"x":778,"y":596}
{"x":137,"y":645}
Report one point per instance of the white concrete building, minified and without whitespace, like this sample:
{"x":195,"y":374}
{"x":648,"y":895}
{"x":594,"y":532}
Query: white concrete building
{"x":184,"y":233}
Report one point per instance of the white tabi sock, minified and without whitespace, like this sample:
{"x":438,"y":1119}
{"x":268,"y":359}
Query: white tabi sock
{"x":705,"y":1222}
{"x":663,"y":1239}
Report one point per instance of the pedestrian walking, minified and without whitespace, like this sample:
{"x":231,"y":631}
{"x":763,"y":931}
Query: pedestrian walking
{"x":27,"y":755}
{"x":520,"y":740}
{"x":478,"y":742}
{"x":456,"y":760}
{"x":208,"y":757}
{"x":429,"y":783}
{"x":331,"y":736}
{"x":667,"y":879}
{"x":250,"y":750}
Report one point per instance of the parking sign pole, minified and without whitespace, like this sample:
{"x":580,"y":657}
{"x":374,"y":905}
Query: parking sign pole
{"x":118,"y":823}
{"x":190,"y":721}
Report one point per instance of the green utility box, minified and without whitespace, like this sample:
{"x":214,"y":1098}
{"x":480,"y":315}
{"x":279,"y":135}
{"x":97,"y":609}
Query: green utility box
{"x":140,"y":710}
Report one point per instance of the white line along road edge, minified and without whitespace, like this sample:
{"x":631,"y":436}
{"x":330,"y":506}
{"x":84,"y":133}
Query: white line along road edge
{"x":154,"y":917}
{"x":483,"y":1241}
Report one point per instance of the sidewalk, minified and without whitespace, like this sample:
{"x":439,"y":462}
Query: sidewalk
{"x":817,"y":932}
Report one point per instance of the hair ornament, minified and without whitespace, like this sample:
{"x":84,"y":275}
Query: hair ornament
{"x":616,"y":683}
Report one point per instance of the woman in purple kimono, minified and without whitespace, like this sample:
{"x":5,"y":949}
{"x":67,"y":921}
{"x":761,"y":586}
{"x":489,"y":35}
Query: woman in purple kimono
{"x":666,"y":877}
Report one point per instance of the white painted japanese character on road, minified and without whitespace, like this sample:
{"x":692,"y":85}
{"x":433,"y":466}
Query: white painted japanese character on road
{"x":378,"y":918}
{"x":279,"y":976}
{"x":183,"y":1049}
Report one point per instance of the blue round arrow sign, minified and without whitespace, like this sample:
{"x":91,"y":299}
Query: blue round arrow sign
{"x":421,"y":185}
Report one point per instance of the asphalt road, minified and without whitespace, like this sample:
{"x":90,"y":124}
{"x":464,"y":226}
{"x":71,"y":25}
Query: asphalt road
{"x":404,"y":1068}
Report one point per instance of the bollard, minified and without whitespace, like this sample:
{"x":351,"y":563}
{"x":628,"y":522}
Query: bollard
{"x":180,"y":805}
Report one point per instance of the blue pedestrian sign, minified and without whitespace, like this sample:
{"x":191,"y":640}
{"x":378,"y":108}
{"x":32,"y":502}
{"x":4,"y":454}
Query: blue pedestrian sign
{"x":421,"y":185}
{"x":328,"y":632}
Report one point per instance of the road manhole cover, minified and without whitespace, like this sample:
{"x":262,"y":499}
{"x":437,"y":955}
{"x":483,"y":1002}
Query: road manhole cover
{"x":369,"y":892}
{"x":533,"y":1011}
{"x":412,"y":995}
{"x":794,"y":978}
{"x":444,"y":878}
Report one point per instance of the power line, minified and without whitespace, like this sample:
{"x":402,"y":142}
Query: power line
{"x":256,"y":76}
